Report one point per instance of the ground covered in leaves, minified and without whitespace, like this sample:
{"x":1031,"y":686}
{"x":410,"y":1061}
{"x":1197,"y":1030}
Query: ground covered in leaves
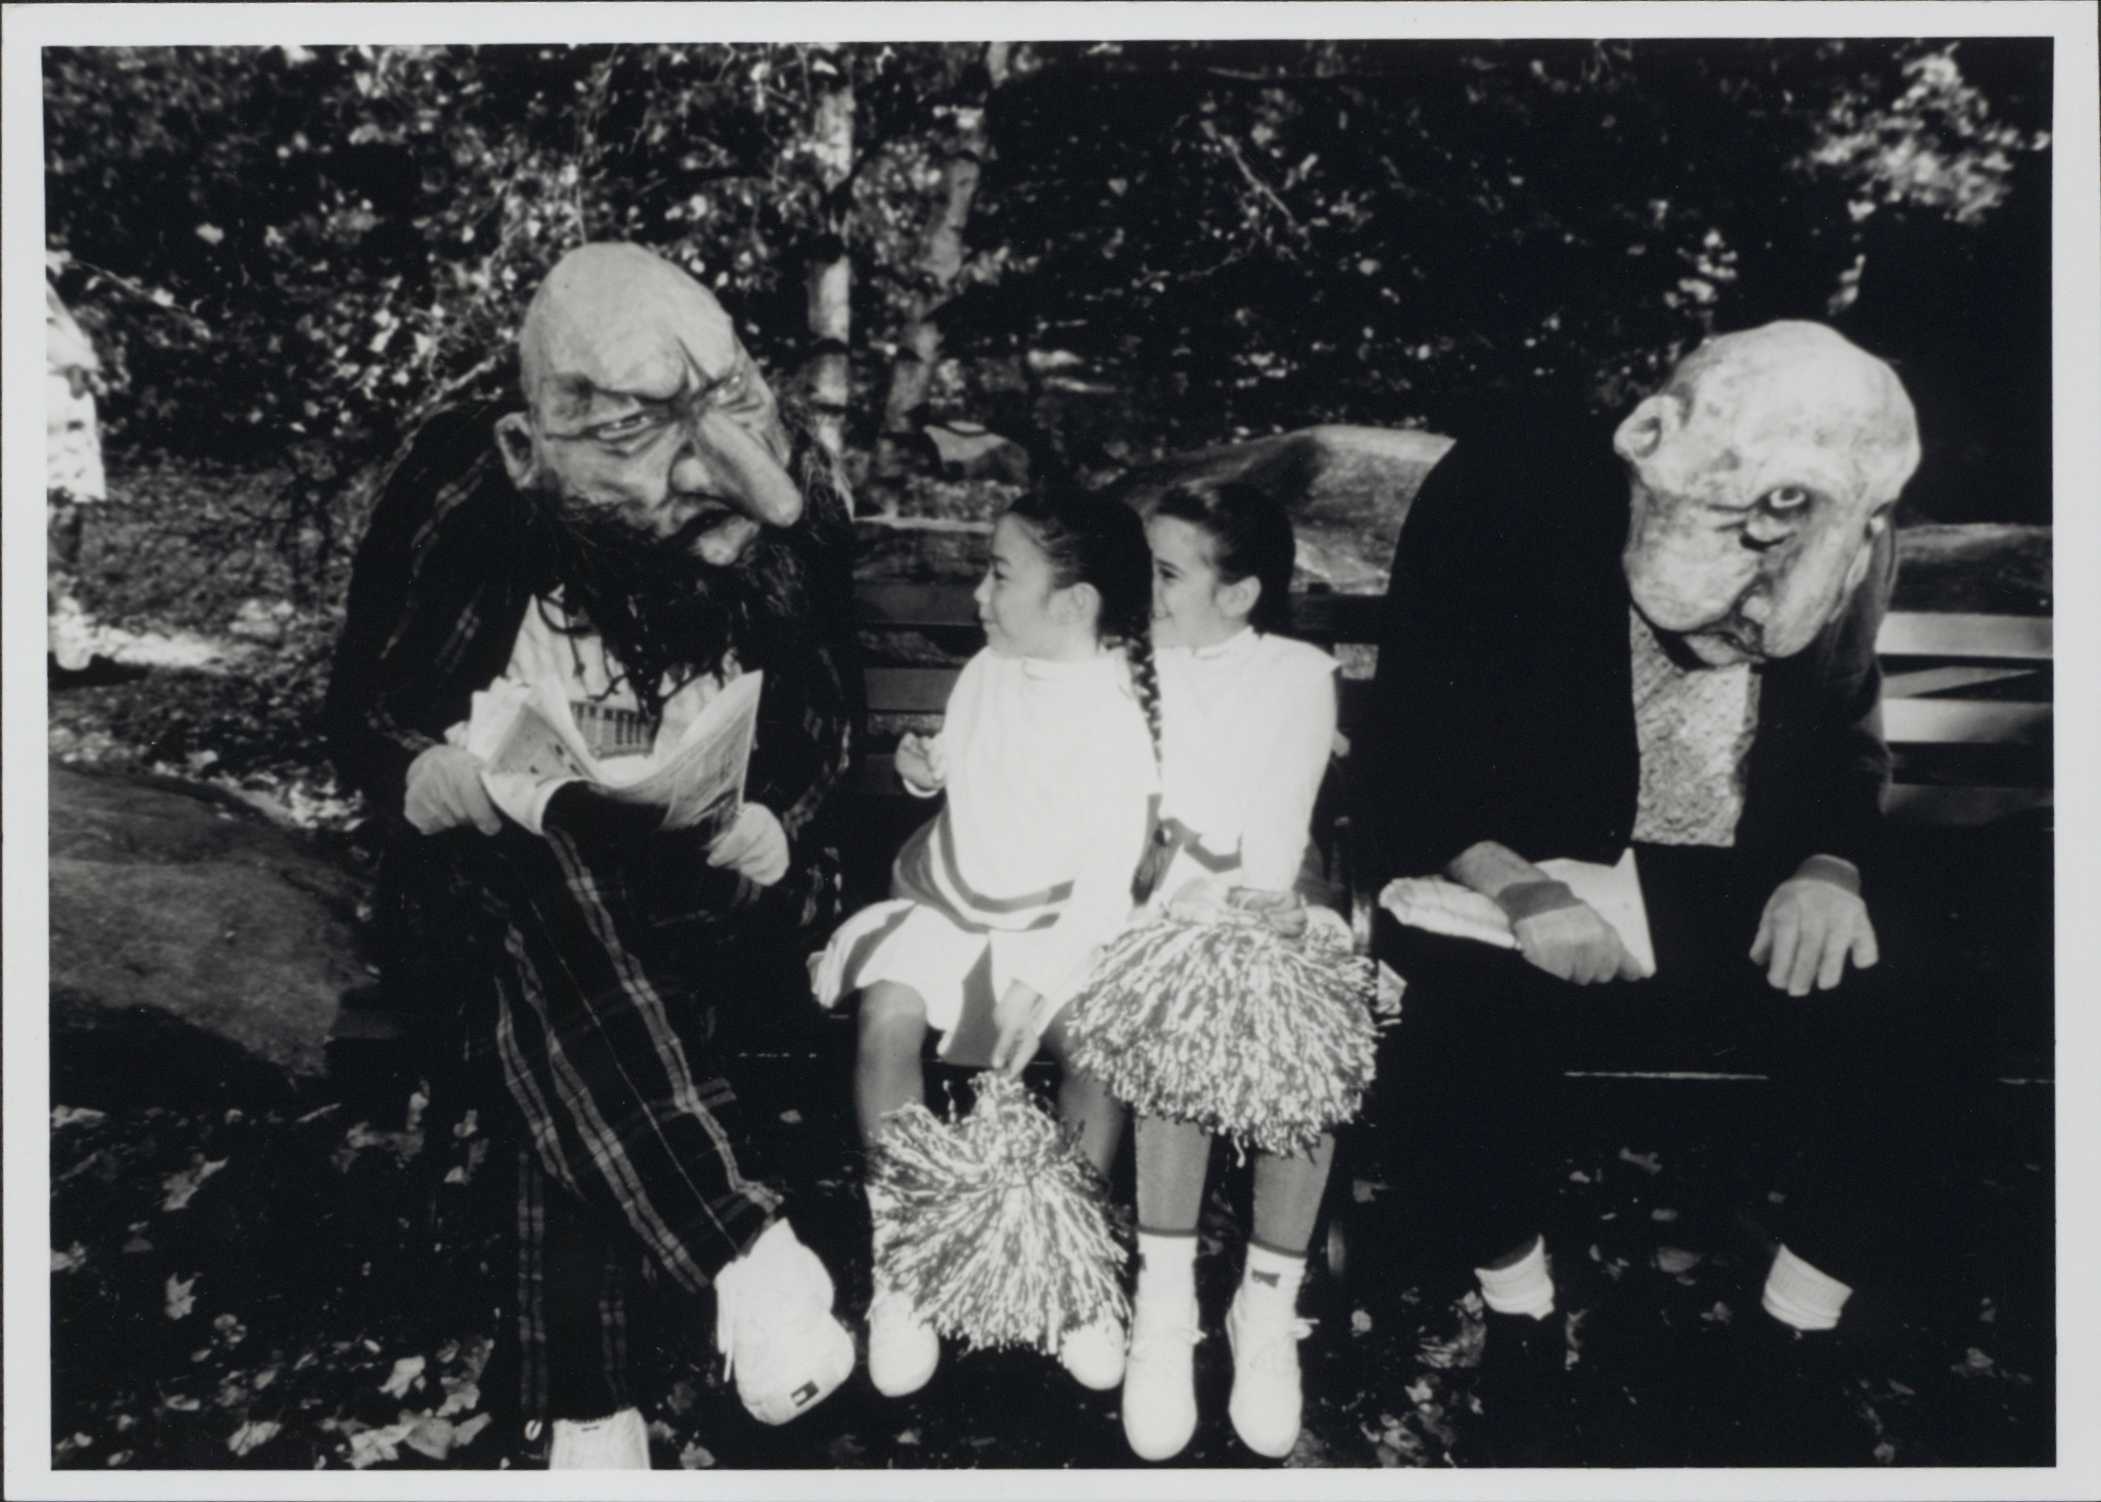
{"x":320,"y":1290}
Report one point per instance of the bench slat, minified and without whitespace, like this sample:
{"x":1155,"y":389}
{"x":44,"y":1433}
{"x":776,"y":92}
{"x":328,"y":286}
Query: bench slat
{"x":1962,"y":807}
{"x":2017,"y":638}
{"x":1917,"y":683}
{"x":1959,"y":722}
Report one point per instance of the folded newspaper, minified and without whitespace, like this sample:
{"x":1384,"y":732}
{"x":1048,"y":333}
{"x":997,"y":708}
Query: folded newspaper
{"x":1438,"y":906}
{"x":697,"y":779}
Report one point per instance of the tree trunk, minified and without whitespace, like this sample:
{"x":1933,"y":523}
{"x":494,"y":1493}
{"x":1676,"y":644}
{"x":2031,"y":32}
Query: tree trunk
{"x":940,"y":264}
{"x":830,"y":271}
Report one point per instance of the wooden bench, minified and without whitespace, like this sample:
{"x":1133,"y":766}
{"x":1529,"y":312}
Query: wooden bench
{"x":1966,"y":698}
{"x":1966,"y":710}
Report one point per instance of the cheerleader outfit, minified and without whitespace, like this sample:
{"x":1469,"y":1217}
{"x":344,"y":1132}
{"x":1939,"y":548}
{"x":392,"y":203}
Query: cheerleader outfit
{"x":1247,"y":728}
{"x":1050,"y":778}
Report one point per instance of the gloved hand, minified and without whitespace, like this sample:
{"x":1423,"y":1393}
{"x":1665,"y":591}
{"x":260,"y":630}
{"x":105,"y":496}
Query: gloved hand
{"x":754,"y":845}
{"x":444,"y":791}
{"x":1563,"y":935}
{"x":1814,"y":922}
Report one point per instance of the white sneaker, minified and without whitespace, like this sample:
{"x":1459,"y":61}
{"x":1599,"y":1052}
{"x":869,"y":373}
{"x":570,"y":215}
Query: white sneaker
{"x":903,"y":1349}
{"x":773,"y":1321}
{"x":619,"y":1442}
{"x":1159,"y":1383}
{"x":1094,"y":1353}
{"x":1264,"y":1331}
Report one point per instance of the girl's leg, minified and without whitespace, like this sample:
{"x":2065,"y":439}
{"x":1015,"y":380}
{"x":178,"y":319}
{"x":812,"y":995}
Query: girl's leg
{"x":1288,"y":1192}
{"x":1085,"y":1103}
{"x":887,"y":1071}
{"x":1263,"y":1324}
{"x":903,"y":1349}
{"x":1159,"y":1386}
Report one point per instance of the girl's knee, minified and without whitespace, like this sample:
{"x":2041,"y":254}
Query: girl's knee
{"x":891,"y":1014}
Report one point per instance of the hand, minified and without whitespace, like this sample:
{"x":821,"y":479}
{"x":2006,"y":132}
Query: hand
{"x":1564,"y":935}
{"x":1281,"y":912}
{"x":1812,"y":923}
{"x":921,"y":762}
{"x":445,"y":791}
{"x":1018,"y":1037}
{"x":754,"y":845}
{"x":1198,"y":900}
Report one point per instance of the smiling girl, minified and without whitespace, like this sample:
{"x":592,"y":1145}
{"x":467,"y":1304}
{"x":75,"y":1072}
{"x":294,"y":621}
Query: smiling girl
{"x":1248,"y":722}
{"x":1047,"y":758}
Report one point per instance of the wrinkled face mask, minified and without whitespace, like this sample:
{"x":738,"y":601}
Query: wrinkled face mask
{"x":1760,"y":479}
{"x":642,"y":402}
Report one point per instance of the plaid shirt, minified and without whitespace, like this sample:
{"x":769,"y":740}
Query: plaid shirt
{"x":585,"y":973}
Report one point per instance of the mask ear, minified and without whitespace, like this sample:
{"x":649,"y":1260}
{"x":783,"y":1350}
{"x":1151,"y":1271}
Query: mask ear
{"x":1646,"y":428}
{"x":520,"y":450}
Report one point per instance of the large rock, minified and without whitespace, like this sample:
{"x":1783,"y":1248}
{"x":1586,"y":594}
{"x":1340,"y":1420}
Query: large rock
{"x":197,"y":950}
{"x":1347,"y":488}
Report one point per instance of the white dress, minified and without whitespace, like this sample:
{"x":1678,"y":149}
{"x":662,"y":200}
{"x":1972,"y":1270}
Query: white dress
{"x":1051,"y":775}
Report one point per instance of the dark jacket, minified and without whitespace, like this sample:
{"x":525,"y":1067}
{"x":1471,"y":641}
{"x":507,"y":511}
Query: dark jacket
{"x":442,"y":579}
{"x":1503,"y":704}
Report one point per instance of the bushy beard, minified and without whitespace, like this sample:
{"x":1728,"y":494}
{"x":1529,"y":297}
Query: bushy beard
{"x":666,"y":615}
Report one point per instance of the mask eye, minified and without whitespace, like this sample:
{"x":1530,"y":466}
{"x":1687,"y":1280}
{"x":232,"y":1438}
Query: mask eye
{"x":1786,"y":498}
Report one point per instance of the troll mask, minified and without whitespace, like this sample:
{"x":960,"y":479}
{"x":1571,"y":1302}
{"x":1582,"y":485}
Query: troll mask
{"x":1761,"y":476}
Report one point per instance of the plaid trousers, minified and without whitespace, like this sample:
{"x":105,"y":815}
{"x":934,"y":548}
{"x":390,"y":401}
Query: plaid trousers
{"x":580,"y":987}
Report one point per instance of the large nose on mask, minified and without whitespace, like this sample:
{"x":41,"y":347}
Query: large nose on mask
{"x":744,"y":468}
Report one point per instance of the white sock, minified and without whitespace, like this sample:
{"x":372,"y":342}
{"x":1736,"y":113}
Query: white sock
{"x":1524,"y":1287}
{"x":1801,"y":1295}
{"x":1269,"y":1272}
{"x":1167,"y":1264}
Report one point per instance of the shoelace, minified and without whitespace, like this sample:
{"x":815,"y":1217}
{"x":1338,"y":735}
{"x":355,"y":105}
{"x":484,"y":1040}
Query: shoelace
{"x":1274,"y":1352}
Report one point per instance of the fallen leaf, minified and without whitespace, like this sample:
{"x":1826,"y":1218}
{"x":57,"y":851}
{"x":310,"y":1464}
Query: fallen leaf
{"x":65,"y":1116}
{"x":696,"y":1457}
{"x":72,"y":1444}
{"x":179,"y":1188}
{"x":1885,"y":1452}
{"x":1720,"y":1314}
{"x":1650,"y":1163}
{"x":792,"y":1117}
{"x":460,"y":1394}
{"x":137,"y":1245}
{"x":464,"y":1432}
{"x":371,"y":1446}
{"x":908,"y":1437}
{"x":182,"y":1403}
{"x":181,"y":1296}
{"x":72,"y":1257}
{"x":1360,"y":1322}
{"x":1678,"y":1259}
{"x":432,"y":1437}
{"x":121,"y":1457}
{"x":1579,"y":1177}
{"x":406,"y":1370}
{"x":252,"y":1434}
{"x":1663,"y":1215}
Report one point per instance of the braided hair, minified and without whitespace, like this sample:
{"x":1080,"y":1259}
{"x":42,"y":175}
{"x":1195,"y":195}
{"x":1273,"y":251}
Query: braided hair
{"x":1090,"y":540}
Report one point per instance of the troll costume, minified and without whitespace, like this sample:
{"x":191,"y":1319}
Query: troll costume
{"x":653,"y":524}
{"x":1662,"y":635}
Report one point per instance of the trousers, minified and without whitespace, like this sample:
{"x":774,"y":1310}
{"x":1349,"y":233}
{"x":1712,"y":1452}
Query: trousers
{"x":1867,"y":1080}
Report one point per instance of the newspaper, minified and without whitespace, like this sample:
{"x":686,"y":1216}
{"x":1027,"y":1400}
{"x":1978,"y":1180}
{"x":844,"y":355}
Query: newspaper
{"x":1439,"y":906}
{"x":697,"y":780}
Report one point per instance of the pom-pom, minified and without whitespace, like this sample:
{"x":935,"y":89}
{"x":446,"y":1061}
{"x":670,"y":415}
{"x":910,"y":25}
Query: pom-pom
{"x":994,"y":1225}
{"x":1233,"y":1022}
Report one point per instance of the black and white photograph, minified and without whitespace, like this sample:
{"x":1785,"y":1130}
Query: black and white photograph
{"x":809,"y":742}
